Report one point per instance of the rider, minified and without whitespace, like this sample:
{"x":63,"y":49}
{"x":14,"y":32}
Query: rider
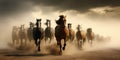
{"x":61,"y":20}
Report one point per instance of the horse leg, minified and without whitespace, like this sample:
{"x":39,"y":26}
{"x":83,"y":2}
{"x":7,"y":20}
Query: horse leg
{"x":84,"y":40}
{"x":77,"y":42}
{"x":50,"y":40}
{"x":91,"y":42}
{"x":45,"y":39}
{"x":25,"y":42}
{"x":13,"y":41}
{"x":17,"y":41}
{"x":21,"y":42}
{"x":36,"y":42}
{"x":39,"y":45}
{"x":80,"y":43}
{"x":64,"y":44}
{"x":60,"y":46}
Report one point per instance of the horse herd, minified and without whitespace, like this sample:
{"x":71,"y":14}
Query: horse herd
{"x":36,"y":33}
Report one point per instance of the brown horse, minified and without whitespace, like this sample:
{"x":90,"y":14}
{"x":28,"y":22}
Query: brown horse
{"x":49,"y":33}
{"x":71,"y":32}
{"x":61,"y":32}
{"x":90,"y":35}
{"x":80,"y":36}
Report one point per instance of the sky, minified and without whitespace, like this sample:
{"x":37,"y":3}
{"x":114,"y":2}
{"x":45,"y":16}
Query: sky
{"x":103,"y":16}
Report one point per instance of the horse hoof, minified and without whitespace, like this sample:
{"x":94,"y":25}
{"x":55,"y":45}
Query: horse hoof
{"x":35,"y":51}
{"x":39,"y":49}
{"x":63,"y":48}
{"x":60,"y":53}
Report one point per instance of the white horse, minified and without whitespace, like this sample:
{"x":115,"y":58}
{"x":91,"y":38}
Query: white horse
{"x":15,"y":35}
{"x":30,"y":32}
{"x":23,"y":35}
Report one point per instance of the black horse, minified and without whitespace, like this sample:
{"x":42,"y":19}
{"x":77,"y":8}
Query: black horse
{"x":38,"y":34}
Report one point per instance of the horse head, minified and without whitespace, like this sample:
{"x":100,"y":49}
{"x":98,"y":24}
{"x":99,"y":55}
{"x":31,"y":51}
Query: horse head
{"x":78,"y":27}
{"x":31,"y":25}
{"x":48,"y":23}
{"x":22,"y":27}
{"x":69,"y":25}
{"x":38,"y":23}
{"x":89,"y":30}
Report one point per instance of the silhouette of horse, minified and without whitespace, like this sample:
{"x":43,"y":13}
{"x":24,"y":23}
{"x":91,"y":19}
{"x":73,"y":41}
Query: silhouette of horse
{"x":49,"y":33}
{"x":80,"y":36}
{"x":22,"y":35}
{"x":30,"y":32}
{"x":15,"y":35}
{"x":71,"y":32}
{"x":61,"y":32}
{"x":90,"y":35}
{"x":38,"y":34}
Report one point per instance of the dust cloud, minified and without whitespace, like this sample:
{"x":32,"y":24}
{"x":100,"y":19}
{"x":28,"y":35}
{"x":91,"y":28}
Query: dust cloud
{"x":106,"y":31}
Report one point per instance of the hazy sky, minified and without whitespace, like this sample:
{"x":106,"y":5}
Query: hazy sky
{"x":24,"y":11}
{"x":12,"y":7}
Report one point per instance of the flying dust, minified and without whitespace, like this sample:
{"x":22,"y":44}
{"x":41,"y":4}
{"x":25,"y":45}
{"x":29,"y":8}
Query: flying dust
{"x":106,"y":34}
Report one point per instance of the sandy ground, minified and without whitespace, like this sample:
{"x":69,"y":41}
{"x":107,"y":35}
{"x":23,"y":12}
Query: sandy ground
{"x":69,"y":54}
{"x":110,"y":54}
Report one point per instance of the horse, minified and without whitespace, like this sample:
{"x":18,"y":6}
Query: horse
{"x":49,"y":33}
{"x":38,"y":34}
{"x":15,"y":35}
{"x":23,"y":35}
{"x":61,"y":32}
{"x":30,"y":32}
{"x":80,"y":36}
{"x":71,"y":33}
{"x":90,"y":35}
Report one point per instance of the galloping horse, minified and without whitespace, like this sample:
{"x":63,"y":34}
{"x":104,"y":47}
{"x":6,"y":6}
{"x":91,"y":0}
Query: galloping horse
{"x":15,"y":35}
{"x":80,"y":36}
{"x":49,"y":33}
{"x":61,"y":32}
{"x":90,"y":35}
{"x":71,"y":32}
{"x":38,"y":33}
{"x":30,"y":32}
{"x":22,"y":35}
